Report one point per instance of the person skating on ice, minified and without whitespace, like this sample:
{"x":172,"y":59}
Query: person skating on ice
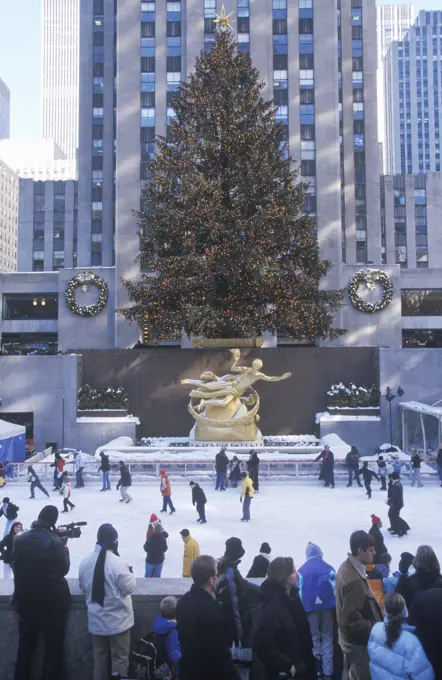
{"x":398,"y":526}
{"x":382,"y":472}
{"x":65,"y":491}
{"x":253,"y":469}
{"x":58,"y":466}
{"x":10,"y":512}
{"x":367,"y":476}
{"x":247,"y":493}
{"x":327,"y":471}
{"x":35,"y":483}
{"x":199,"y":499}
{"x":105,"y":469}
{"x":375,"y":531}
{"x":79,"y":466}
{"x":166,"y":492}
{"x":352,"y":462}
{"x":124,"y":483}
{"x":416,"y":461}
{"x":235,"y":474}
{"x":221,"y":464}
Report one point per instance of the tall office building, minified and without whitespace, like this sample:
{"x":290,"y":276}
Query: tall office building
{"x":393,"y":21}
{"x":8,"y":218}
{"x":60,"y":73}
{"x":5,"y":110}
{"x":413,"y":91}
{"x":318,"y":60}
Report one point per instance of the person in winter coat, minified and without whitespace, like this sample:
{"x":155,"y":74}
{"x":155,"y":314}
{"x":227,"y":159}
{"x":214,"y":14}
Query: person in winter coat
{"x":199,"y":499}
{"x":375,"y":531}
{"x":317,"y":586}
{"x":439,"y":464}
{"x":327,"y":472}
{"x":65,"y":491}
{"x":282,"y":640}
{"x":376,"y":578}
{"x":247,"y":493}
{"x":382,"y":472}
{"x":235,"y":474}
{"x":105,"y":469}
{"x":427,"y":617}
{"x":108,"y":583}
{"x":153,"y":521}
{"x":426,"y":577}
{"x":165,"y":626}
{"x":395,"y":652}
{"x":124,"y":483}
{"x":416,"y":469}
{"x":166,"y":492}
{"x":367,"y":476}
{"x":35,"y":483}
{"x":79,"y":467}
{"x":253,"y":469}
{"x":6,"y":548}
{"x":398,"y":526}
{"x":10,"y":512}
{"x":40,"y":562}
{"x":357,"y":609}
{"x":352,"y":462}
{"x":155,"y":547}
{"x":405,"y":569}
{"x":191,"y":551}
{"x":58,"y":466}
{"x":221,"y":464}
{"x":396,"y":464}
{"x":261,"y":563}
{"x":205,"y":652}
{"x":384,"y":565}
{"x":233,"y":594}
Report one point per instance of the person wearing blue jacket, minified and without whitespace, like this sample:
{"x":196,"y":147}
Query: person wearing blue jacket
{"x":317,"y":591}
{"x":395,"y":652}
{"x":165,"y":625}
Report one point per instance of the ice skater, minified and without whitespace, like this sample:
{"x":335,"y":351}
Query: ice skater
{"x":65,"y":491}
{"x":416,"y":461}
{"x":35,"y":483}
{"x":10,"y":512}
{"x":235,"y":473}
{"x":199,"y":499}
{"x":398,"y":526}
{"x":105,"y":469}
{"x":382,"y":472}
{"x":247,"y":493}
{"x":58,"y":466}
{"x":79,"y":466}
{"x":253,"y":469}
{"x":166,"y":492}
{"x":327,"y":471}
{"x":367,"y":476}
{"x":6,"y":548}
{"x":124,"y":483}
{"x":221,"y":464}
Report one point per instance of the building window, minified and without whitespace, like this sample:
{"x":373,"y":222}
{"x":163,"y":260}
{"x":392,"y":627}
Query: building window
{"x":30,"y":306}
{"x":422,"y":302}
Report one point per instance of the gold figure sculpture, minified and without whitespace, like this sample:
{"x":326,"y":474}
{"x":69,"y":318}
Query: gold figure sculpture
{"x":226,"y":408}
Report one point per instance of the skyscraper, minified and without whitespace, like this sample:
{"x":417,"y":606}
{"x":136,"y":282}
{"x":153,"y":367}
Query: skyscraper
{"x":5,"y":106}
{"x":60,"y":73}
{"x":413,"y":91}
{"x":393,"y":21}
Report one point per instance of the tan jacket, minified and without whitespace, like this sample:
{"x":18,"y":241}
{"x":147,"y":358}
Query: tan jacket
{"x":191,"y":552}
{"x":357,"y":609}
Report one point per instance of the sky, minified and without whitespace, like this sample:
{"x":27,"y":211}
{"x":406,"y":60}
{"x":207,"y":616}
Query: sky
{"x":20,"y":59}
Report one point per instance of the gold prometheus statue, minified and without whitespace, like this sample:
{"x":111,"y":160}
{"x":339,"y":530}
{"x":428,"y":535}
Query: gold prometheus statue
{"x":226,"y":408}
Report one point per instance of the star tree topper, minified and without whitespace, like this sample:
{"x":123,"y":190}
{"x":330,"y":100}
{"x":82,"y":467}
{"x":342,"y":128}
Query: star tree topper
{"x":223,"y":20}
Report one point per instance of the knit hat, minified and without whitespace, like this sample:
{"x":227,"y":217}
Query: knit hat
{"x":265,"y":548}
{"x":405,"y":562}
{"x":154,"y":519}
{"x":162,"y":472}
{"x":234,"y":549}
{"x":49,"y":515}
{"x":107,"y":538}
{"x":380,"y":457}
{"x":375,"y":520}
{"x":313,"y":550}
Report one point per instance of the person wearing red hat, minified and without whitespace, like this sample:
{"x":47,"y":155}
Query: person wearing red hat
{"x":375,"y":531}
{"x":153,"y":521}
{"x":166,"y":492}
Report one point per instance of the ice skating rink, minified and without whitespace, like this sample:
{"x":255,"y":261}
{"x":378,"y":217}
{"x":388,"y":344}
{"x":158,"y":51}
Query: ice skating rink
{"x":287,"y":516}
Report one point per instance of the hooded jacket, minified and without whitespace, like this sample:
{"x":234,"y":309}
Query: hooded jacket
{"x":232,"y":593}
{"x":117,"y":615}
{"x":247,"y":488}
{"x":198,"y":495}
{"x":406,"y":660}
{"x":317,"y":585}
{"x":168,"y":628}
{"x":191,"y":552}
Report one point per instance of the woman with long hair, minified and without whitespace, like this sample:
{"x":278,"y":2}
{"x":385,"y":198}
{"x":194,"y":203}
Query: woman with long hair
{"x":395,"y":652}
{"x":6,"y":548}
{"x":426,"y":576}
{"x":283,"y":641}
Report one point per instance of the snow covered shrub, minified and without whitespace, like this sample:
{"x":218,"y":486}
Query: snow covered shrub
{"x":92,"y":398}
{"x":340,"y":396}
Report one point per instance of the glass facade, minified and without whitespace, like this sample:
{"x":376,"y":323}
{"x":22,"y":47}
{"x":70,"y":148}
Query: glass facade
{"x":306,"y":98}
{"x":97,"y":133}
{"x":27,"y":306}
{"x":421,"y":302}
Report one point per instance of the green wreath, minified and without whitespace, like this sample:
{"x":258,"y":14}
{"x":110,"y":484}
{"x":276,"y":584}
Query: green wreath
{"x":86,"y":279}
{"x":370,"y":277}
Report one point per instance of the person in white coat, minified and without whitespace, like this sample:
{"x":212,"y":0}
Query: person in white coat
{"x":108,"y":583}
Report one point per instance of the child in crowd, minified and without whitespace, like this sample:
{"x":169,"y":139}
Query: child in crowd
{"x":65,"y":491}
{"x":384,"y":564}
{"x":165,"y":625}
{"x":405,"y":569}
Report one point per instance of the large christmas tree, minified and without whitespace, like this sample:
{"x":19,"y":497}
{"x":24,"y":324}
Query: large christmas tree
{"x":223,"y":227}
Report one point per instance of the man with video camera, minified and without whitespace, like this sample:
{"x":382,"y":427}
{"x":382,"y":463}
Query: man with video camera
{"x":40,"y":562}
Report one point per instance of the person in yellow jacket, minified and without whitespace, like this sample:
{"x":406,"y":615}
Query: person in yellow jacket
{"x":247,"y":493}
{"x":191,"y":551}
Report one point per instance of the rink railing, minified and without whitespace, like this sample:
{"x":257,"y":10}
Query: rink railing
{"x":282,"y":470}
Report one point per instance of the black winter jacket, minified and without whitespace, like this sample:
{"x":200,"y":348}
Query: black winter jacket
{"x":413,"y":586}
{"x":198,"y":495}
{"x":155,"y":547}
{"x":205,"y":653}
{"x":125,"y":477}
{"x":368,"y":474}
{"x":352,"y":460}
{"x":427,"y":617}
{"x":259,"y":567}
{"x":105,"y":464}
{"x":235,"y":630}
{"x":6,"y":548}
{"x":40,"y":561}
{"x":221,"y":461}
{"x":379,"y":539}
{"x":416,"y":461}
{"x":396,"y":496}
{"x":33,"y":477}
{"x":282,"y":638}
{"x":11,"y":511}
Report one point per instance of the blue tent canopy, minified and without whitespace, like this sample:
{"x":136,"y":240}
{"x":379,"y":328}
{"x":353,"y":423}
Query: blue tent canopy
{"x":12,"y":442}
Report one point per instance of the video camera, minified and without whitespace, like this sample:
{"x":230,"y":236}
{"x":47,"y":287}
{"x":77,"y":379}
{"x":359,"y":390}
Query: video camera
{"x":65,"y":531}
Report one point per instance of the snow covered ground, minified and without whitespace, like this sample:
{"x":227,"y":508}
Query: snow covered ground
{"x":285,"y":515}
